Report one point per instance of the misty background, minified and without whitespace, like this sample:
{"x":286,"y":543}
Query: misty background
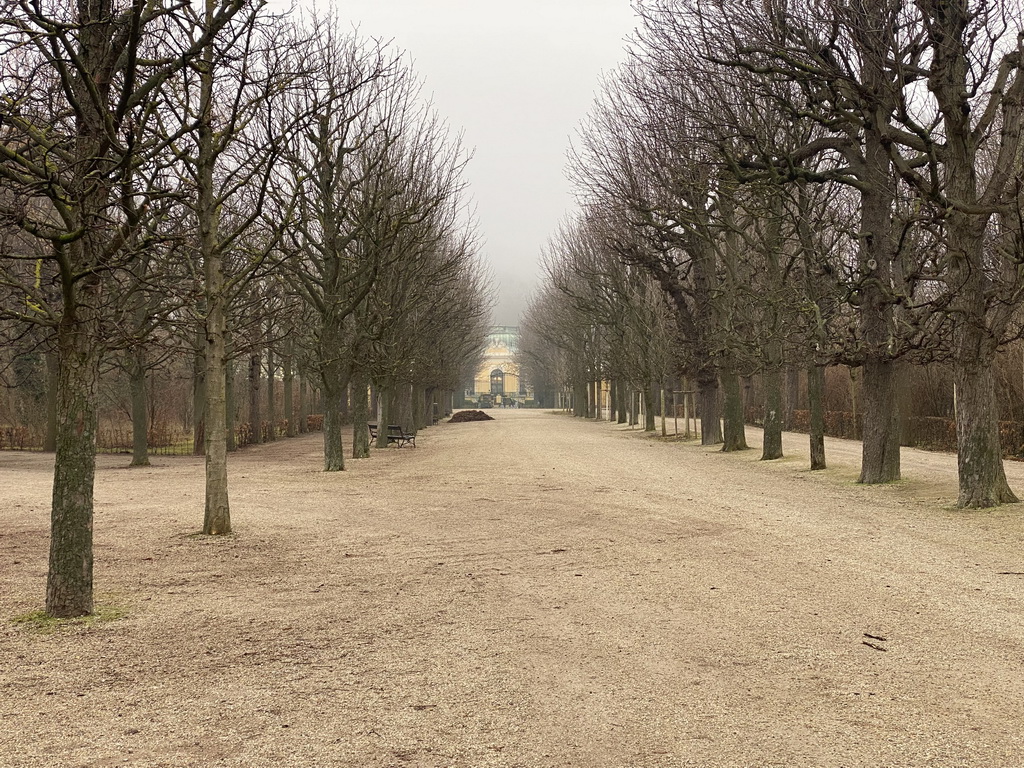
{"x":516,"y":79}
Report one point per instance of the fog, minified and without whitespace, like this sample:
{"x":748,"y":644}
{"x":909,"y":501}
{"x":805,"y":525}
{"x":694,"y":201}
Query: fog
{"x":516,"y":79}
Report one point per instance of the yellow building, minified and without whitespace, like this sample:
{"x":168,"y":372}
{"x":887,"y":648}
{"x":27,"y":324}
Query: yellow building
{"x":497,"y":382}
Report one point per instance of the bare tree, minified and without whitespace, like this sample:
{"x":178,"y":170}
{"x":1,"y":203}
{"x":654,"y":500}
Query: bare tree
{"x":340,"y":166}
{"x":226,"y":121}
{"x":71,"y":149}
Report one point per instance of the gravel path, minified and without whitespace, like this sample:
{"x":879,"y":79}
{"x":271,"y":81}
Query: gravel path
{"x":532,"y":591}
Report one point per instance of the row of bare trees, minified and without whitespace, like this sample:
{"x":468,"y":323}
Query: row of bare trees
{"x":808,"y":183}
{"x":212,"y":176}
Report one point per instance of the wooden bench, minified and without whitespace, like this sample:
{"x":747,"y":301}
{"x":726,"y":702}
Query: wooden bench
{"x":395,"y":434}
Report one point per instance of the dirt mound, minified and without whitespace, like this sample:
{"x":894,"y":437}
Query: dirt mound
{"x":462,"y":416}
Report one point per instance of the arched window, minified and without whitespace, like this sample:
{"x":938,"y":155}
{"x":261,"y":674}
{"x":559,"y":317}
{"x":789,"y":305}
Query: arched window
{"x":497,"y":382}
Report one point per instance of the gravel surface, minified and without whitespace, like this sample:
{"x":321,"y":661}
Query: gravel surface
{"x":532,"y":591}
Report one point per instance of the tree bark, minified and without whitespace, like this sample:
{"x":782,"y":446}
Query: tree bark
{"x":69,"y":590}
{"x":881,"y":436}
{"x":229,"y":404}
{"x":271,"y":404}
{"x":401,"y":411}
{"x":360,"y":418}
{"x":199,"y":369}
{"x":880,"y":406}
{"x":664,"y":421}
{"x":140,"y":408}
{"x":303,"y":406}
{"x":986,"y":280}
{"x":217,"y":512}
{"x":344,"y":405}
{"x":649,"y":400}
{"x":288,"y":376}
{"x":334,"y":452}
{"x":792,"y":396}
{"x":334,"y":381}
{"x":579,"y":399}
{"x":979,"y":454}
{"x":255,"y":417}
{"x":385,"y":398}
{"x":418,"y":407}
{"x":773,"y":414}
{"x":710,"y":421}
{"x":735,"y":436}
{"x":815,"y":404}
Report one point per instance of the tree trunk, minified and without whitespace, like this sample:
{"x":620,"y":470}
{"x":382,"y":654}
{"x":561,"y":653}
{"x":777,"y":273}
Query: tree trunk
{"x":303,"y":418}
{"x":773,"y":414}
{"x":880,"y":406}
{"x":815,"y":398}
{"x":288,"y":376}
{"x":69,"y":577}
{"x":986,"y":275}
{"x":230,"y":419}
{"x":255,"y":417}
{"x":979,"y":455}
{"x":52,"y":370}
{"x":418,"y":408}
{"x":881,"y":440}
{"x":402,"y":406}
{"x":217,"y":515}
{"x":792,"y":396}
{"x":664,"y":424}
{"x":687,"y":407}
{"x":360,"y":417}
{"x":334,"y":452}
{"x":579,"y":399}
{"x":649,"y":400}
{"x":271,"y":404}
{"x":385,"y":397}
{"x":623,"y":392}
{"x":199,"y":369}
{"x":710,"y":423}
{"x":854,"y":404}
{"x":735,"y":436}
{"x":140,"y":408}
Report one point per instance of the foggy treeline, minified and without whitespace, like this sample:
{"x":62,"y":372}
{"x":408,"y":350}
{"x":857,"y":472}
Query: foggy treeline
{"x":198,"y":194}
{"x":798,"y":185}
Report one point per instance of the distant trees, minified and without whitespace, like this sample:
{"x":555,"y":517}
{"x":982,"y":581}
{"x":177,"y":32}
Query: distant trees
{"x":163,"y":166}
{"x":379,"y":227}
{"x":819,"y":183}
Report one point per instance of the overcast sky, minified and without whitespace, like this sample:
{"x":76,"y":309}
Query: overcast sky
{"x":517,"y":78}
